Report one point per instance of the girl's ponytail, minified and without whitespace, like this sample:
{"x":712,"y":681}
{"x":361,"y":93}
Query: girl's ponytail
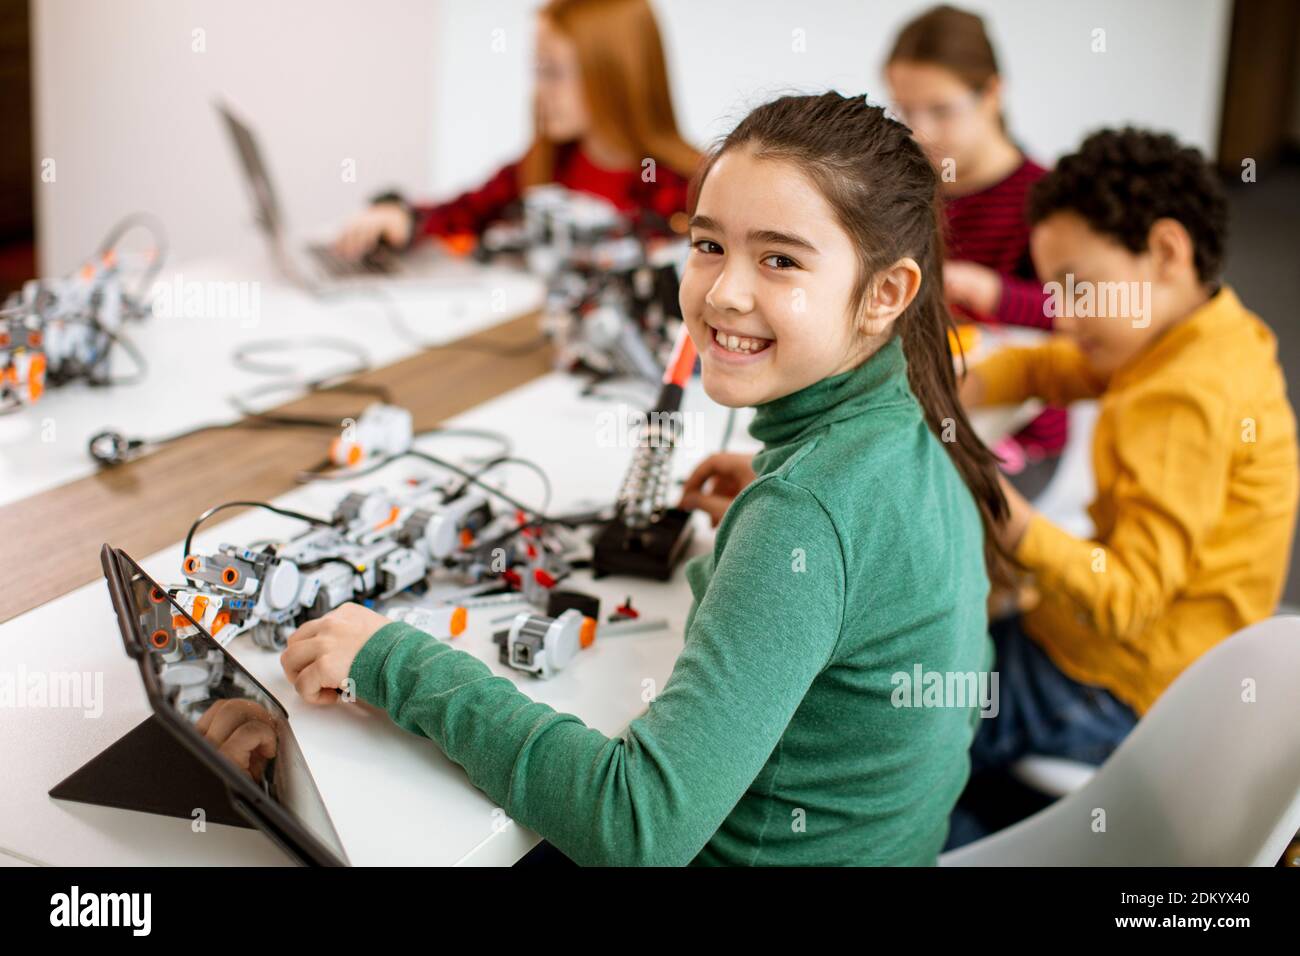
{"x":928,"y":331}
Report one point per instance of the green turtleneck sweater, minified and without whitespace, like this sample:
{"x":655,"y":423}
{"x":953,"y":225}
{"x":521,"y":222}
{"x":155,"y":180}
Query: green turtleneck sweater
{"x":790,"y":731}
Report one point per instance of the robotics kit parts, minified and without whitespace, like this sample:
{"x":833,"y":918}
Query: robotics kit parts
{"x":377,"y":545}
{"x":543,"y":645}
{"x":645,"y":538}
{"x":381,"y":430}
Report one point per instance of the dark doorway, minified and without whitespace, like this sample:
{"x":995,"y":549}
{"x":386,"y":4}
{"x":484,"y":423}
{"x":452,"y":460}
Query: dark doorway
{"x":17,"y":213}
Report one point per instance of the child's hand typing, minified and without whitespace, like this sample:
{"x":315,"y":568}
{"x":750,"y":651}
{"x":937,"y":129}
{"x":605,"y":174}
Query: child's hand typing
{"x":321,"y":652}
{"x":974,"y":286}
{"x":385,"y":221}
{"x":725,"y":475}
{"x":970,"y":389}
{"x":1021,"y":512}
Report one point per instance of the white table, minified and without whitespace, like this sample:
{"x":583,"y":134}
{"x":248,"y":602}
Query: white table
{"x":394,"y":798}
{"x":190,"y":353}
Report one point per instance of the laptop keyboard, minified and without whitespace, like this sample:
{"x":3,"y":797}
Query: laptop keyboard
{"x":378,"y":262}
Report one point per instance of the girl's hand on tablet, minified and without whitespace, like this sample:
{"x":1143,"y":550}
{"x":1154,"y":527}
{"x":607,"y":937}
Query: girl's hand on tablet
{"x":715,"y":483}
{"x":386,"y":221}
{"x":320,"y":653}
{"x":243,"y":731}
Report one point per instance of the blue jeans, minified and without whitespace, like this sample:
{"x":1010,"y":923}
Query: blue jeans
{"x":1040,"y":711}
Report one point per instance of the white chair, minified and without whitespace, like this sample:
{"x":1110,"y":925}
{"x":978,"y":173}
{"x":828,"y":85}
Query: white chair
{"x":1209,"y":777}
{"x":1052,"y":776}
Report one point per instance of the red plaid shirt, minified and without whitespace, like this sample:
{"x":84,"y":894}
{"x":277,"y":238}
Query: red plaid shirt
{"x":989,"y":227}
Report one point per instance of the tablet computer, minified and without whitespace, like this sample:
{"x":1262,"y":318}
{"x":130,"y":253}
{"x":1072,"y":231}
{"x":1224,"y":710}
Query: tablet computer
{"x":221,"y":714}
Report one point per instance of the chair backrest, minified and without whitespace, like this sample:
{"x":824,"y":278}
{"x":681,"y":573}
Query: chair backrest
{"x":1210,"y":776}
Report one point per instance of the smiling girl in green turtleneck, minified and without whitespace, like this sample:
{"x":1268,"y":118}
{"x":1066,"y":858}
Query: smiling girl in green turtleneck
{"x":856,"y":555}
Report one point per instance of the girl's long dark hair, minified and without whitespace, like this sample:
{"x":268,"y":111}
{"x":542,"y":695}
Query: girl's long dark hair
{"x":885,"y":194}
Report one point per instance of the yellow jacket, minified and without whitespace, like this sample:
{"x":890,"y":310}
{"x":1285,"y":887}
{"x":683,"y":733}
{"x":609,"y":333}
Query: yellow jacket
{"x":1195,"y":462}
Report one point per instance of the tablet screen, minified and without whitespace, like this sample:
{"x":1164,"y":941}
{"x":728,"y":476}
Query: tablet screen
{"x":228,"y":709}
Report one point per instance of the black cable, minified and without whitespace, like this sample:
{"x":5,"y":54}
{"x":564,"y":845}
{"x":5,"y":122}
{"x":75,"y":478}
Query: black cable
{"x":110,"y":447}
{"x":509,"y":460}
{"x":470,"y":477}
{"x":189,"y":536}
{"x":541,"y":514}
{"x":321,"y":470}
{"x":507,"y":446}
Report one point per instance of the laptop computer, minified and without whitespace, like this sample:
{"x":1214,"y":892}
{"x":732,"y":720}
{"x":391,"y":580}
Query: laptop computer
{"x":222,"y":715}
{"x":316,"y":265}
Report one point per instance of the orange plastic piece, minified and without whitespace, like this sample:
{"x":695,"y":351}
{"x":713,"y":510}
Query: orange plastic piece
{"x":160,"y":638}
{"x":392,"y":516}
{"x":36,"y":377}
{"x":682,"y":362}
{"x":200,"y":608}
{"x":466,"y":537}
{"x":459,"y":618}
{"x":587,"y":634}
{"x":156,"y":595}
{"x":964,"y":341}
{"x":220,"y":621}
{"x":190,"y":564}
{"x":229,"y":575}
{"x":460,"y":243}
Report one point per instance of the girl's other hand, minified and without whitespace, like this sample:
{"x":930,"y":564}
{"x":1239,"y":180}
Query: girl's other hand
{"x":243,"y":731}
{"x":972,"y":286}
{"x":715,"y":483}
{"x":320,"y":653}
{"x":386,"y":221}
{"x":970,"y":388}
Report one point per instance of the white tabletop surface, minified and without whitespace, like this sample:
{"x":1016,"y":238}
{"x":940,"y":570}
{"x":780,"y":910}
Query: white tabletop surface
{"x":394,"y":798}
{"x":189,"y":351}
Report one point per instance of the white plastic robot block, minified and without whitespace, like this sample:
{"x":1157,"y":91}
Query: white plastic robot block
{"x":444,"y":623}
{"x":381,"y":430}
{"x":544,"y":645}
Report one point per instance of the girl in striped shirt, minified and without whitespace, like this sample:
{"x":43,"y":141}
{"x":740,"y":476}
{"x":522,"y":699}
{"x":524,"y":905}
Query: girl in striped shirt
{"x":943,"y":78}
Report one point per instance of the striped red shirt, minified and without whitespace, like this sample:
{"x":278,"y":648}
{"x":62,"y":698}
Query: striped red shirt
{"x":471,"y":212}
{"x":989,"y":227}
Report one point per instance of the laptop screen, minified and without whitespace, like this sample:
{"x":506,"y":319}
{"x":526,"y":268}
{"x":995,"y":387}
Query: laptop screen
{"x":255,"y":172}
{"x":234,"y":715}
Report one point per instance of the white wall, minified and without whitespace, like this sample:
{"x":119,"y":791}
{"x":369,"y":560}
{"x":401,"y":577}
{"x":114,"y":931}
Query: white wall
{"x":421,"y":92}
{"x":123,"y":107}
{"x":1163,"y":67}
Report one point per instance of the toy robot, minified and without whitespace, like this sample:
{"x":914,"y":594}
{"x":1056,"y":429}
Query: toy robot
{"x":55,"y":331}
{"x":611,"y":302}
{"x":379,"y":545}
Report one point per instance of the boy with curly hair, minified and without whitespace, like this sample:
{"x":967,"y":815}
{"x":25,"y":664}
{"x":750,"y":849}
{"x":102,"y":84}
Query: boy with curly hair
{"x":1194,"y":453}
